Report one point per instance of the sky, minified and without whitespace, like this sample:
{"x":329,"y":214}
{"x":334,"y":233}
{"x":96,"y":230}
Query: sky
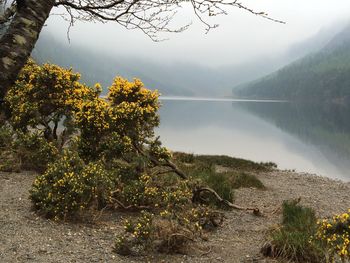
{"x":240,"y":38}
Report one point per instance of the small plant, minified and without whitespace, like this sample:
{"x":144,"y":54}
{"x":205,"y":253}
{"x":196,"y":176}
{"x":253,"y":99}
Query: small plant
{"x":335,"y":236}
{"x":69,"y":187}
{"x":235,"y":163}
{"x":171,"y":231}
{"x":8,"y":159}
{"x":24,"y":151}
{"x":6,"y":136}
{"x":33,"y":152}
{"x":221,"y":184}
{"x":291,"y":240}
{"x":244,"y":180}
{"x":187,"y":158}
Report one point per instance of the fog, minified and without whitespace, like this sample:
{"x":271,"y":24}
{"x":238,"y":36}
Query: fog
{"x":240,"y":38}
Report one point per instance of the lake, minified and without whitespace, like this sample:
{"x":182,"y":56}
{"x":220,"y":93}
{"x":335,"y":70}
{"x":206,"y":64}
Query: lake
{"x":313,"y":138}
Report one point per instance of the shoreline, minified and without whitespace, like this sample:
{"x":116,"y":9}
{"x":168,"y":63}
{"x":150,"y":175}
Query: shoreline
{"x":27,"y":237}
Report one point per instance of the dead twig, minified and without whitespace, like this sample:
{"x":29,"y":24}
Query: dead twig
{"x":131,"y":207}
{"x":197,"y":196}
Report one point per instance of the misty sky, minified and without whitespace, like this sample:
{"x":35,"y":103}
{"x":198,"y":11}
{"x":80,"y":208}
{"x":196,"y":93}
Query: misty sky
{"x":241,"y":37}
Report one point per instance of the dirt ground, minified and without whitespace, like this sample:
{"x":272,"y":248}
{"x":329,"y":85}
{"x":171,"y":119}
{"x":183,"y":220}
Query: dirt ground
{"x":26,"y":237}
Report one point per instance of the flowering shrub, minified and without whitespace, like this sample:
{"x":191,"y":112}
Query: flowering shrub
{"x":113,"y":157}
{"x":69,"y":187}
{"x":45,"y":97}
{"x":133,"y":109}
{"x":335,"y":235}
{"x":120,"y":125}
{"x":8,"y":159}
{"x":168,"y":231}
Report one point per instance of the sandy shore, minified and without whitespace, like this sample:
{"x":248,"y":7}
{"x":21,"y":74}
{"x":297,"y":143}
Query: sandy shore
{"x":25,"y":237}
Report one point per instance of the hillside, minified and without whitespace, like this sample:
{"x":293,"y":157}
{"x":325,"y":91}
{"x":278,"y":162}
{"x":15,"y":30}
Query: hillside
{"x":170,"y":78}
{"x":96,"y":66}
{"x":323,"y":75}
{"x":181,"y":79}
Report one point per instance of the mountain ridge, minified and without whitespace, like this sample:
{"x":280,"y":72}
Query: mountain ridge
{"x":322,"y":75}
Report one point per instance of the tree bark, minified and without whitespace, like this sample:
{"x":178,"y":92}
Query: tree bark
{"x":19,"y":39}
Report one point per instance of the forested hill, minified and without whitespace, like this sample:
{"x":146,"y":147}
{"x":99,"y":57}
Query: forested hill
{"x":324,"y":75}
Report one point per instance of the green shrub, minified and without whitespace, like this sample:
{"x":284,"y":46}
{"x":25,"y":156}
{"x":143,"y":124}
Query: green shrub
{"x":24,"y":151}
{"x":34,"y":152}
{"x":235,"y":163}
{"x":205,"y":175}
{"x":244,"y":180}
{"x":170,"y":231}
{"x":8,"y":159}
{"x":6,"y":136}
{"x":69,"y":187}
{"x":292,"y":240}
{"x":221,"y":184}
{"x":184,"y":157}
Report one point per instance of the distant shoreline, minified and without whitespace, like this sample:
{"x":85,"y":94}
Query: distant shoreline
{"x":184,"y":98}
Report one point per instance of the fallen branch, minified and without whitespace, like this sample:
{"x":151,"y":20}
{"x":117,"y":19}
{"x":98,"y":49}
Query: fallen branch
{"x":197,"y":193}
{"x":131,"y":207}
{"x":175,"y":169}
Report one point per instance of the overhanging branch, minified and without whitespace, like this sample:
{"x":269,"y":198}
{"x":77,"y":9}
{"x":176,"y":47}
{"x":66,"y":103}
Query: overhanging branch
{"x":151,"y":16}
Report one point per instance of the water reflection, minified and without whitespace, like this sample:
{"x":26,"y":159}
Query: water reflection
{"x":309,"y":138}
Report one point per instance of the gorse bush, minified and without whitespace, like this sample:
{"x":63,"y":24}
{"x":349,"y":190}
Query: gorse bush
{"x":121,"y":124}
{"x":96,"y":153}
{"x":334,"y":234}
{"x":41,"y":107}
{"x":8,"y":159}
{"x":170,"y":231}
{"x":69,"y":186}
{"x":24,"y":151}
{"x":45,"y":98}
{"x":34,"y":152}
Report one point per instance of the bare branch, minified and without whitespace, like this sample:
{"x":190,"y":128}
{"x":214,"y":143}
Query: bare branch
{"x":197,"y":193}
{"x":151,"y":16}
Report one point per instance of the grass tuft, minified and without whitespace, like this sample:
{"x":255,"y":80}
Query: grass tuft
{"x":244,"y":180}
{"x":223,"y":160}
{"x":292,"y":240}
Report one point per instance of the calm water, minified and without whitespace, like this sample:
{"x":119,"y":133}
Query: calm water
{"x":306,"y":137}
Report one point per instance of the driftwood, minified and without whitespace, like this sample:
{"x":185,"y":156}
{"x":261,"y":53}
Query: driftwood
{"x":130,"y":207}
{"x":197,"y":193}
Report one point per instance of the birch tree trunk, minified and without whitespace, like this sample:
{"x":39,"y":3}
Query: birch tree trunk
{"x":19,"y":39}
